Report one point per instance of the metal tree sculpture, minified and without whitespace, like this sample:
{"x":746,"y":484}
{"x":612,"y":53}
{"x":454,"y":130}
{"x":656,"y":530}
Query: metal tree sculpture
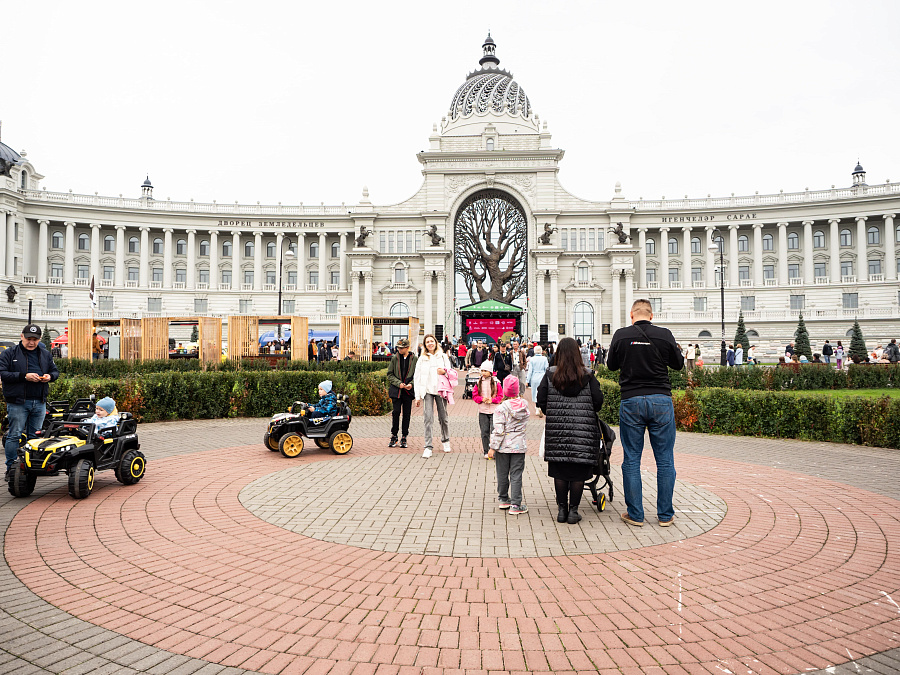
{"x":491,"y":246}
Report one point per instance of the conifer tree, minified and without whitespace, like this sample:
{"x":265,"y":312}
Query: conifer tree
{"x":740,"y":335}
{"x":45,"y":337}
{"x":857,"y":342}
{"x":195,"y":334}
{"x":801,"y":340}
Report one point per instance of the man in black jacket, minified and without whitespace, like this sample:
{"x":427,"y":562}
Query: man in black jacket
{"x":26,"y":371}
{"x":643,"y":352}
{"x":827,"y":351}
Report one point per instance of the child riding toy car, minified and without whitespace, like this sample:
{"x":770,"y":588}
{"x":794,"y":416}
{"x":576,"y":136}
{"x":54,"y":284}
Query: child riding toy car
{"x":325,"y":423}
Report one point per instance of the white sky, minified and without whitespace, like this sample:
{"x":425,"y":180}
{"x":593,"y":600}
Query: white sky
{"x":300,"y":101}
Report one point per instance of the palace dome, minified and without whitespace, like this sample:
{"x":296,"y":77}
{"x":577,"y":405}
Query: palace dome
{"x":490,"y":89}
{"x":8,"y":159}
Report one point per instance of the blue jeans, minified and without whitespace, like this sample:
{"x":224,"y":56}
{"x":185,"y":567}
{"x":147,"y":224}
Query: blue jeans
{"x":827,"y":358}
{"x":656,"y":414}
{"x":27,"y":417}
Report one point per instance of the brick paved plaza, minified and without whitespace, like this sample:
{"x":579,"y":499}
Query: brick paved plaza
{"x":228,"y":558}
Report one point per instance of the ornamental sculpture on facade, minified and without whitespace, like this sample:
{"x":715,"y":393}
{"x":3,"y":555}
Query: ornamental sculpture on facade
{"x":361,"y":239}
{"x":619,"y":231}
{"x":544,"y":239}
{"x":436,"y":239}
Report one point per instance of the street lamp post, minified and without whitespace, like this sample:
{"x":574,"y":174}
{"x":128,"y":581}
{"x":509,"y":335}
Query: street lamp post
{"x":719,"y":244}
{"x":282,"y":254}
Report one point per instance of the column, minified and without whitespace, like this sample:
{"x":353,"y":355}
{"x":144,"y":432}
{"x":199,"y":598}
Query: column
{"x":5,"y":224}
{"x":257,"y":261}
{"x":616,"y":301}
{"x":280,"y":270}
{"x":302,"y":279}
{"x":686,"y":265}
{"x":323,"y":262}
{"x":710,"y":258}
{"x":120,"y":251}
{"x":664,"y":257}
{"x":862,"y":255}
{"x":354,"y":293}
{"x":642,"y":256}
{"x":69,"y":265}
{"x":834,"y":249}
{"x":442,"y":300}
{"x":191,"y":260}
{"x":11,"y":245}
{"x":367,"y":308}
{"x":541,"y":298}
{"x":426,"y":296}
{"x":629,"y":292}
{"x":145,"y":260}
{"x":732,"y":265}
{"x":95,"y":252}
{"x":782,"y":255}
{"x":213,"y":259}
{"x":757,"y":255}
{"x":342,"y":280}
{"x":890,"y":245}
{"x":554,"y":300}
{"x":43,"y":248}
{"x":167,"y":258}
{"x":808,"y":270}
{"x":236,"y":279}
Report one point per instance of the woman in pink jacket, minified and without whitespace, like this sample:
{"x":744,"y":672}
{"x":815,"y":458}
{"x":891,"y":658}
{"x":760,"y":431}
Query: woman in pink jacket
{"x":488,"y":396}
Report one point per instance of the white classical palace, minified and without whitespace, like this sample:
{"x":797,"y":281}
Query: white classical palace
{"x":830,"y":254}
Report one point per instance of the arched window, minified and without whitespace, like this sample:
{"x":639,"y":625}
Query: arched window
{"x":583,"y":273}
{"x":651,"y":246}
{"x":846,"y":238}
{"x":752,"y":334}
{"x":56,"y":240}
{"x":181,"y":247}
{"x":249,"y":248}
{"x":705,"y":334}
{"x":109,"y":243}
{"x":584,"y":322}
{"x":489,"y":144}
{"x":793,"y":241}
{"x":336,"y":249}
{"x":270,"y":249}
{"x":399,"y":274}
{"x":83,"y":242}
{"x":743,"y":243}
{"x":874,"y":236}
{"x":24,"y":183}
{"x":204,"y":247}
{"x":226,"y":249}
{"x":695,"y":246}
{"x":314,"y":250}
{"x":673,"y":246}
{"x":819,"y":239}
{"x":134,"y":245}
{"x":849,"y":333}
{"x":768,"y":242}
{"x":157,"y":246}
{"x":401,"y":310}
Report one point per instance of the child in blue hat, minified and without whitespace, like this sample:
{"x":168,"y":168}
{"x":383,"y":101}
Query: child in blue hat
{"x":327,"y":405}
{"x":106,"y":415}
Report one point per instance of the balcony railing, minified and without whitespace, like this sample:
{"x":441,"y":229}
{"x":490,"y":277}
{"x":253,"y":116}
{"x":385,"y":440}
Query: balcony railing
{"x":399,"y":286}
{"x":746,"y":283}
{"x":795,"y":281}
{"x":333,"y":287}
{"x":822,"y":281}
{"x":155,"y":284}
{"x":652,"y":285}
{"x":107,"y":283}
{"x":55,"y":280}
{"x":27,"y":279}
{"x":770,"y":282}
{"x":269,"y":287}
{"x":675,"y":284}
{"x":225,"y":286}
{"x":848,"y":278}
{"x":876,"y":278}
{"x":312,"y":287}
{"x":80,"y":281}
{"x":131,"y":283}
{"x":290,"y":287}
{"x":202,"y":286}
{"x":246,"y":287}
{"x":698,"y":283}
{"x":179,"y":285}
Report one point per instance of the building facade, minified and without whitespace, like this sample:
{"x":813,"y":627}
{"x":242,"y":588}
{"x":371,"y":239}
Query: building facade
{"x":830,"y":254}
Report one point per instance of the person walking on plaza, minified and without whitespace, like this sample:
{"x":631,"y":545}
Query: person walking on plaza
{"x":892,"y":352}
{"x":827,"y":351}
{"x":585,"y":354}
{"x":839,"y":355}
{"x":96,"y":347}
{"x":429,"y":368}
{"x":643,"y":352}
{"x":508,"y":445}
{"x":400,"y":378}
{"x":570,"y":397}
{"x":26,"y":372}
{"x":738,"y":354}
{"x":537,"y":368}
{"x":689,"y":357}
{"x":488,"y":395}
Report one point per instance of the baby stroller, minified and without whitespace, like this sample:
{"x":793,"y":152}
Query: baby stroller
{"x":601,"y":470}
{"x":472,"y":378}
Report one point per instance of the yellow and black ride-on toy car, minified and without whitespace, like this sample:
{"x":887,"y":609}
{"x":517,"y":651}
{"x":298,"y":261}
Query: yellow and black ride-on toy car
{"x":78,"y":449}
{"x":56,"y":411}
{"x":286,"y":430}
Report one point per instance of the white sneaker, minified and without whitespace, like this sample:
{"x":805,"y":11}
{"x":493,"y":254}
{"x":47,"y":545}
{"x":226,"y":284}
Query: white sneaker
{"x":427,"y":453}
{"x":446,"y":446}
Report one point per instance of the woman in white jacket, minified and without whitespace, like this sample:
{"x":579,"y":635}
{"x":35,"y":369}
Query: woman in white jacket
{"x":431,"y":364}
{"x":537,"y":368}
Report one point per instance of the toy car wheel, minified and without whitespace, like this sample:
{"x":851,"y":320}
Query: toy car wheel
{"x":131,"y":467}
{"x":601,"y":502}
{"x":323,"y":443}
{"x":22,"y":482}
{"x":340,"y":442}
{"x":81,"y":479}
{"x":270,"y":443}
{"x":291,"y":445}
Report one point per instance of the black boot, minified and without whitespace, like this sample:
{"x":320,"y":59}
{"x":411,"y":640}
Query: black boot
{"x":403,"y":442}
{"x":563,"y":512}
{"x":393,"y":443}
{"x":574,"y":516}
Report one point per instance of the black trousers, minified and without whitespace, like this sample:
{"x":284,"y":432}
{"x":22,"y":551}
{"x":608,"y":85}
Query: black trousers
{"x":403,"y":405}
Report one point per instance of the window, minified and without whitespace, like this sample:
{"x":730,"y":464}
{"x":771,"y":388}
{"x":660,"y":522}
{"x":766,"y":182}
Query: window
{"x":768,"y":271}
{"x":314,"y":278}
{"x":583,"y":273}
{"x":109,"y":243}
{"x":181,"y":275}
{"x":655,"y":305}
{"x":699,"y":304}
{"x":204,"y":247}
{"x":226,"y":249}
{"x":874,"y":267}
{"x":846,"y":238}
{"x":331,"y":306}
{"x":56,"y":270}
{"x":651,"y":276}
{"x":105,"y":303}
{"x":134,"y":274}
{"x":897,"y":235}
{"x":752,"y":334}
{"x":744,"y":272}
{"x":54,"y":301}
{"x":292,"y":277}
{"x":583,"y":240}
{"x":203,"y":276}
{"x":399,"y":275}
{"x":748,"y":303}
{"x":249,"y":249}
{"x":793,"y":271}
{"x":109,"y":272}
{"x":154,"y":304}
{"x":695,"y":246}
{"x":793,"y":241}
{"x":83,"y":242}
{"x":226,"y":277}
{"x":288,"y":306}
{"x":390,"y":242}
{"x":696,"y":274}
{"x":314,"y":250}
{"x":399,"y":245}
{"x":83,"y":271}
{"x":768,"y":242}
{"x":650,"y":247}
{"x":245,"y":306}
{"x":873,"y":236}
{"x":400,"y":309}
{"x":24,"y":180}
{"x":489,"y":144}
{"x":134,"y":245}
{"x":564,"y":240}
{"x":201,"y":305}
{"x":819,"y":269}
{"x":157,"y":274}
{"x":704,"y":334}
{"x":56,"y":240}
{"x":270,"y":249}
{"x":673,"y":274}
{"x":157,"y":246}
{"x":248,"y":276}
{"x":335,"y":278}
{"x":584,"y":322}
{"x":336,"y":248}
{"x":593,"y":246}
{"x":819,"y":239}
{"x":743,"y":243}
{"x":382,"y":239}
{"x":270,"y":277}
{"x":850,"y":300}
{"x":181,"y":247}
{"x":798,"y":302}
{"x":846,"y":268}
{"x":409,"y":241}
{"x":673,"y":246}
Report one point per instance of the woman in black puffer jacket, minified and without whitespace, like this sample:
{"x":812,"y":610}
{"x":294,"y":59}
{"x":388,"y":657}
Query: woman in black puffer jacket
{"x":570,"y":397}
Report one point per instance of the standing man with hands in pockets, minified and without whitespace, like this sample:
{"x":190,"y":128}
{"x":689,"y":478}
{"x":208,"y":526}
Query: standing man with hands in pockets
{"x":643,"y":352}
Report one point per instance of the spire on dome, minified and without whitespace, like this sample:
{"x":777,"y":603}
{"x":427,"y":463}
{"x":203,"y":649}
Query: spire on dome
{"x":489,"y":47}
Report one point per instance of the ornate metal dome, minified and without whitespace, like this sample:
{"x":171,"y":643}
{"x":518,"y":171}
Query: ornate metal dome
{"x":8,"y":159}
{"x":490,"y":89}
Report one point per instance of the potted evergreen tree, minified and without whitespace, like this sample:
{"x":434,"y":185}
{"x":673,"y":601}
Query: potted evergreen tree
{"x":740,"y":335}
{"x":857,"y":343}
{"x":801,"y":340}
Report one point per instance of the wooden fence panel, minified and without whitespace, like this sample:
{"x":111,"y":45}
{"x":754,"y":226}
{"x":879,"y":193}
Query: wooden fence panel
{"x":154,"y":338}
{"x":81,"y":333}
{"x":356,"y":335}
{"x":413,"y":334}
{"x":130,"y":348}
{"x":210,"y":332}
{"x":243,"y":337}
{"x":299,"y":338}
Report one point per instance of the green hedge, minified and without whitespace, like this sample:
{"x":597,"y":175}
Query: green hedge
{"x":119,"y":368}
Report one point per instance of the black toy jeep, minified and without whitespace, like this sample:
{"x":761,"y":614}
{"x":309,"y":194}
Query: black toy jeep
{"x":286,"y":430}
{"x":56,"y":411}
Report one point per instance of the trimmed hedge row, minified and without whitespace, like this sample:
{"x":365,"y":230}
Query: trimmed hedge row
{"x":118,"y":368}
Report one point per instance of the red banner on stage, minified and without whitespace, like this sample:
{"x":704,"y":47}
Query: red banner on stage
{"x":495,"y":328}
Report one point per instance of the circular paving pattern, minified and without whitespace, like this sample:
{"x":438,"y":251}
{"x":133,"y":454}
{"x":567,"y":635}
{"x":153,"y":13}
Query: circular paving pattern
{"x":447,"y":505}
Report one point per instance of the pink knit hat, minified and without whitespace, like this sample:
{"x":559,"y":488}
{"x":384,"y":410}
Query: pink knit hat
{"x":511,"y":386}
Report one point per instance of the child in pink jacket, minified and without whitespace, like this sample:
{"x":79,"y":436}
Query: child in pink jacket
{"x":488,"y":396}
{"x":508,"y":446}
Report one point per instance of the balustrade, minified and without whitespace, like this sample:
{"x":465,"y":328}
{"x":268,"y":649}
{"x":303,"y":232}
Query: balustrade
{"x":848,"y":279}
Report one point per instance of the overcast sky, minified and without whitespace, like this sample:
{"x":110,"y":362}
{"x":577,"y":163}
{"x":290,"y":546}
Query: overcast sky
{"x":299,"y":101}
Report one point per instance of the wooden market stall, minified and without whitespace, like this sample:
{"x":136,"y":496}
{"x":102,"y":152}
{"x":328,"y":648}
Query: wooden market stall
{"x":358,"y":333}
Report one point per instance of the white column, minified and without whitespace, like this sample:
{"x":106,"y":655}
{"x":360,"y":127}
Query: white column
{"x":301,"y":262}
{"x":664,"y":257}
{"x":686,"y":265}
{"x":642,"y":256}
{"x":343,"y":274}
{"x":732,"y":265}
{"x":191,"y":260}
{"x":167,"y":258}
{"x":629,"y":292}
{"x":710,"y":258}
{"x":120,"y":252}
{"x":95,"y":252}
{"x":11,"y":245}
{"x":236,"y":279}
{"x":442,"y":300}
{"x":554,"y":300}
{"x":367,"y":308}
{"x":69,"y":265}
{"x":782,"y":254}
{"x":323,"y":262}
{"x":862,"y":254}
{"x":541,"y":298}
{"x":257,"y":261}
{"x":808,"y":271}
{"x":145,"y":260}
{"x":43,"y":248}
{"x":5,"y":223}
{"x":426,"y":296}
{"x":213,"y":259}
{"x":757,"y":255}
{"x":616,"y":301}
{"x":834,"y":250}
{"x":890,"y":244}
{"x":354,"y":293}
